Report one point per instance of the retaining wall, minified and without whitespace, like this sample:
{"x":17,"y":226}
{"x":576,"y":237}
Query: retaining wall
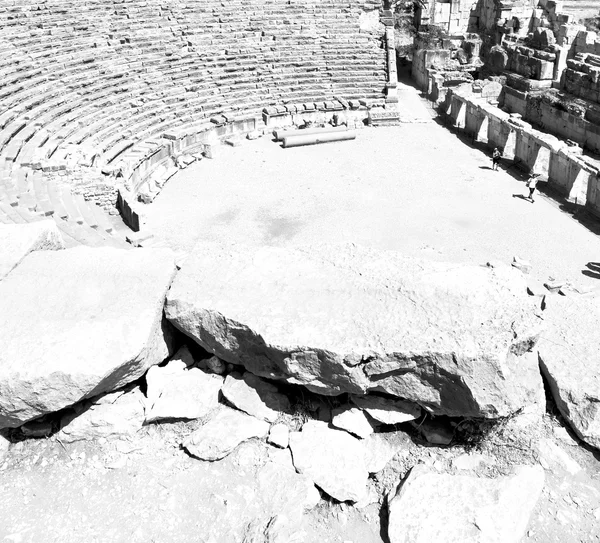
{"x":569,"y":173}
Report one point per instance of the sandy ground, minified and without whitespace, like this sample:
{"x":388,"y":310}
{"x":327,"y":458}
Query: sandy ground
{"x":415,"y":188}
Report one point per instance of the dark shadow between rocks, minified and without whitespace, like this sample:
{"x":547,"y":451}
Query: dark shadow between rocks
{"x":593,"y":270}
{"x":384,"y":519}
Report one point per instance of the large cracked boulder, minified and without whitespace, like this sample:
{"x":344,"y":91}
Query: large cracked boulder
{"x":444,"y":508}
{"x":18,"y":240}
{"x":77,"y":323}
{"x":569,"y":353}
{"x":454,"y":338}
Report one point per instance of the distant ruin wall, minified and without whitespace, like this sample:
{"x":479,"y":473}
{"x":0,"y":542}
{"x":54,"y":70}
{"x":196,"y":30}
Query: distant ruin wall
{"x":567,"y":170}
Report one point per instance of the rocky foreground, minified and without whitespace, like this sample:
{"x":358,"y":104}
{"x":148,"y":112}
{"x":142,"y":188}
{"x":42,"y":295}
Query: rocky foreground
{"x":322,"y":370}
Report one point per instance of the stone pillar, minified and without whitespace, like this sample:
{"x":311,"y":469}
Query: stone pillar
{"x":592,"y":203}
{"x":472,"y":121}
{"x":459,"y":112}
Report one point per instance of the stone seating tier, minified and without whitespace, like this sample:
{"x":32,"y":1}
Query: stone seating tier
{"x":95,"y":85}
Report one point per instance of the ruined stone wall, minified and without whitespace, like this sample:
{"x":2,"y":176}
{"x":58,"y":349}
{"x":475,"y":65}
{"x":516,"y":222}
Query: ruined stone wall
{"x":581,"y":78}
{"x":568,"y":171}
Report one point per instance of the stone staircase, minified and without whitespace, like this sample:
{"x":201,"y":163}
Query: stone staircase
{"x":29,"y":198}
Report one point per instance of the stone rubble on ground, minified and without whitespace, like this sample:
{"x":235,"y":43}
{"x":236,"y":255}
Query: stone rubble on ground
{"x":115,"y":415}
{"x":333,"y":459}
{"x":353,"y":420}
{"x":180,"y":391}
{"x":569,"y":353}
{"x":430,"y":506}
{"x":18,"y":240}
{"x":255,"y":396}
{"x":222,"y":433}
{"x":348,"y":319}
{"x":97,"y":319}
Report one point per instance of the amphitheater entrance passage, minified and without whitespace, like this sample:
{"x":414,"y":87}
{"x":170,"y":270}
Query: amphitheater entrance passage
{"x":540,"y":159}
{"x":476,"y":123}
{"x":458,"y":112}
{"x":532,"y":153}
{"x":501,"y":135}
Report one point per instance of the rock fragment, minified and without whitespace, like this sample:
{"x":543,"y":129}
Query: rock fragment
{"x":223,"y":433}
{"x":255,"y":396}
{"x":387,"y":411}
{"x":333,"y":459}
{"x":352,"y":420}
{"x":97,"y":319}
{"x":382,"y":447}
{"x":279,"y":435}
{"x":180,"y":391}
{"x":115,"y":415}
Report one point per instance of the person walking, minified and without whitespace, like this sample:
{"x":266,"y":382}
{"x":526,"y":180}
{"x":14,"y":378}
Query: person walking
{"x":531,"y":185}
{"x":496,"y":156}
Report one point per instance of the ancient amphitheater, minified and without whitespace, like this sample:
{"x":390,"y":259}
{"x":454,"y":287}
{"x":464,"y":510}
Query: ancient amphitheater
{"x":209,"y":335}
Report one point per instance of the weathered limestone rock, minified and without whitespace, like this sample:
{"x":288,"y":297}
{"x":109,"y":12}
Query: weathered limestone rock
{"x":381,"y":448}
{"x":387,"y":411}
{"x":179,"y":391}
{"x":255,"y":396}
{"x":77,"y":323}
{"x":352,"y":420}
{"x":279,"y":435}
{"x":453,"y":338}
{"x":223,"y":433}
{"x":18,"y":240}
{"x":448,"y":508}
{"x":112,"y":416}
{"x":333,"y":459}
{"x":570,"y":360}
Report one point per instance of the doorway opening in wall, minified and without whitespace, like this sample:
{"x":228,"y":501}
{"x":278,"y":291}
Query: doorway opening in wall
{"x":541,"y":164}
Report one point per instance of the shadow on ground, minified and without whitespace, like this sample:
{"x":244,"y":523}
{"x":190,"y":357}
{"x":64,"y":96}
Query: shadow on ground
{"x":593,"y":270}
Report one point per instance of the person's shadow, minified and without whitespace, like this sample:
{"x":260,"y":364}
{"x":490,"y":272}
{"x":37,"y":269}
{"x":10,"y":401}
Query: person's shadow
{"x":593,"y":270}
{"x":521,"y":197}
{"x":485,"y":168}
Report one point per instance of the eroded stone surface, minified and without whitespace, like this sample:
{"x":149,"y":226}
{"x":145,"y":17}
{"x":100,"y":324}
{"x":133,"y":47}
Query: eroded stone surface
{"x":18,"y":240}
{"x":454,"y":338}
{"x":223,"y":433}
{"x":570,"y":359}
{"x":255,"y":396}
{"x":115,"y":415}
{"x":449,"y":508}
{"x":77,"y":323}
{"x":332,"y":458}
{"x":180,"y":391}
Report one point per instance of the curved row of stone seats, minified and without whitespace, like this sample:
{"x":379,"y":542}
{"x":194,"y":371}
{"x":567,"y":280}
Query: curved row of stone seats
{"x":111,"y":77}
{"x":30,"y":198}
